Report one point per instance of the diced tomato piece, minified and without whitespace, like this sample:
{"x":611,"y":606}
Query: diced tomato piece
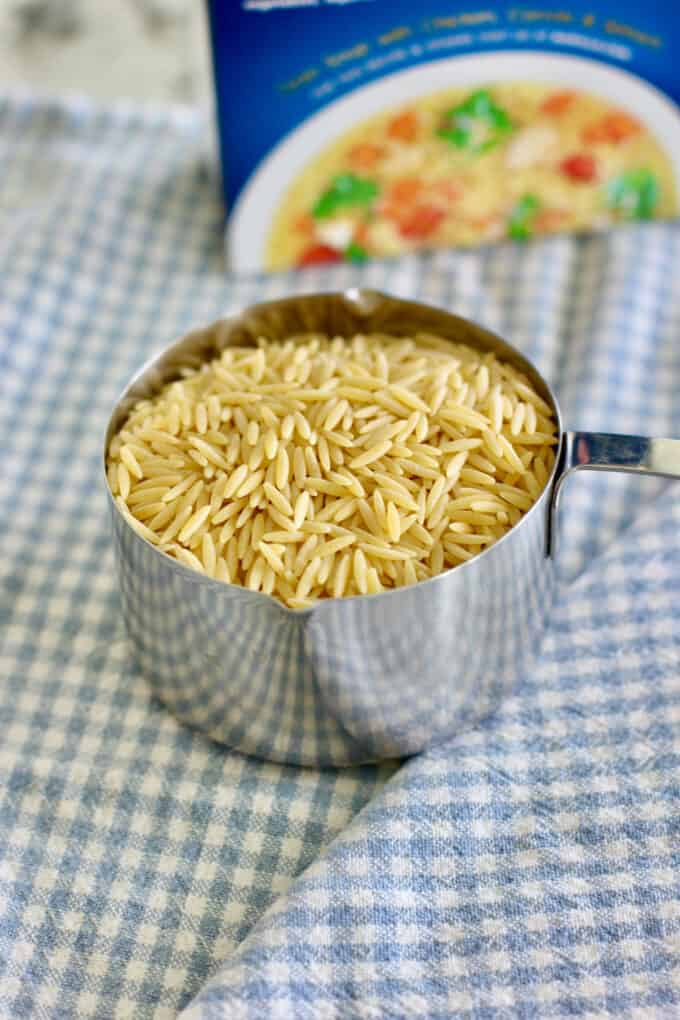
{"x":400,"y":197}
{"x":403,"y":127}
{"x":365,"y":155}
{"x":580,"y":167}
{"x":421,"y":222}
{"x":304,"y":223}
{"x":317,"y":254}
{"x":613,"y":127}
{"x":622,"y":125}
{"x":404,"y":191}
{"x":557,"y":103}
{"x":406,"y":204}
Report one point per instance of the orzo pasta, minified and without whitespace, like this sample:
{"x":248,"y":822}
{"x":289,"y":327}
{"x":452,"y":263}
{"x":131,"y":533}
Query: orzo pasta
{"x":325,"y":467}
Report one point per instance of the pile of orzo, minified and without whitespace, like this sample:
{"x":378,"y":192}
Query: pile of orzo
{"x":325,"y":467}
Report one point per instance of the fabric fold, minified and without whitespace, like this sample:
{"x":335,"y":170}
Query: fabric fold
{"x":528,"y":867}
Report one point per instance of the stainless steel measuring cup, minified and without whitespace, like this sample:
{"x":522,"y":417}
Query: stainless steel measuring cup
{"x":363,"y":678}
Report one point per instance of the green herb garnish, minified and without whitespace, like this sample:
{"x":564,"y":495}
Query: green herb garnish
{"x":355,"y":252}
{"x":521,"y":219}
{"x":477,"y":125}
{"x":634,"y":194}
{"x":346,"y":190}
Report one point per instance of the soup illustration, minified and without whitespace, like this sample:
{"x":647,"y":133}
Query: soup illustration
{"x":471,"y":165}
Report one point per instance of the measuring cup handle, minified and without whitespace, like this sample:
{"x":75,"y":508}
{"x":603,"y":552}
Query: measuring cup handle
{"x":602,"y":451}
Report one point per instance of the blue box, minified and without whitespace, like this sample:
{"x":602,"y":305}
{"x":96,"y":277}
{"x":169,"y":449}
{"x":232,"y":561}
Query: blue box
{"x":352,"y":129}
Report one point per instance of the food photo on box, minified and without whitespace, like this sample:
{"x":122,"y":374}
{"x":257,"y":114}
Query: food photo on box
{"x":340,"y":602}
{"x":379,"y":129}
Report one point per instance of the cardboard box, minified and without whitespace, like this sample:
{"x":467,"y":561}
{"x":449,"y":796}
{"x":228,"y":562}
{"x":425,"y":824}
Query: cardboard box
{"x":352,"y":129}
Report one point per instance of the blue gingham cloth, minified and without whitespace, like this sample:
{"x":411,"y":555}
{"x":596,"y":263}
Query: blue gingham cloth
{"x":529,"y":868}
{"x":526,"y":869}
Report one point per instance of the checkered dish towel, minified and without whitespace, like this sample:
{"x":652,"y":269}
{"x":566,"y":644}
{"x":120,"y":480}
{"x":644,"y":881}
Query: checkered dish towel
{"x":528,"y":868}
